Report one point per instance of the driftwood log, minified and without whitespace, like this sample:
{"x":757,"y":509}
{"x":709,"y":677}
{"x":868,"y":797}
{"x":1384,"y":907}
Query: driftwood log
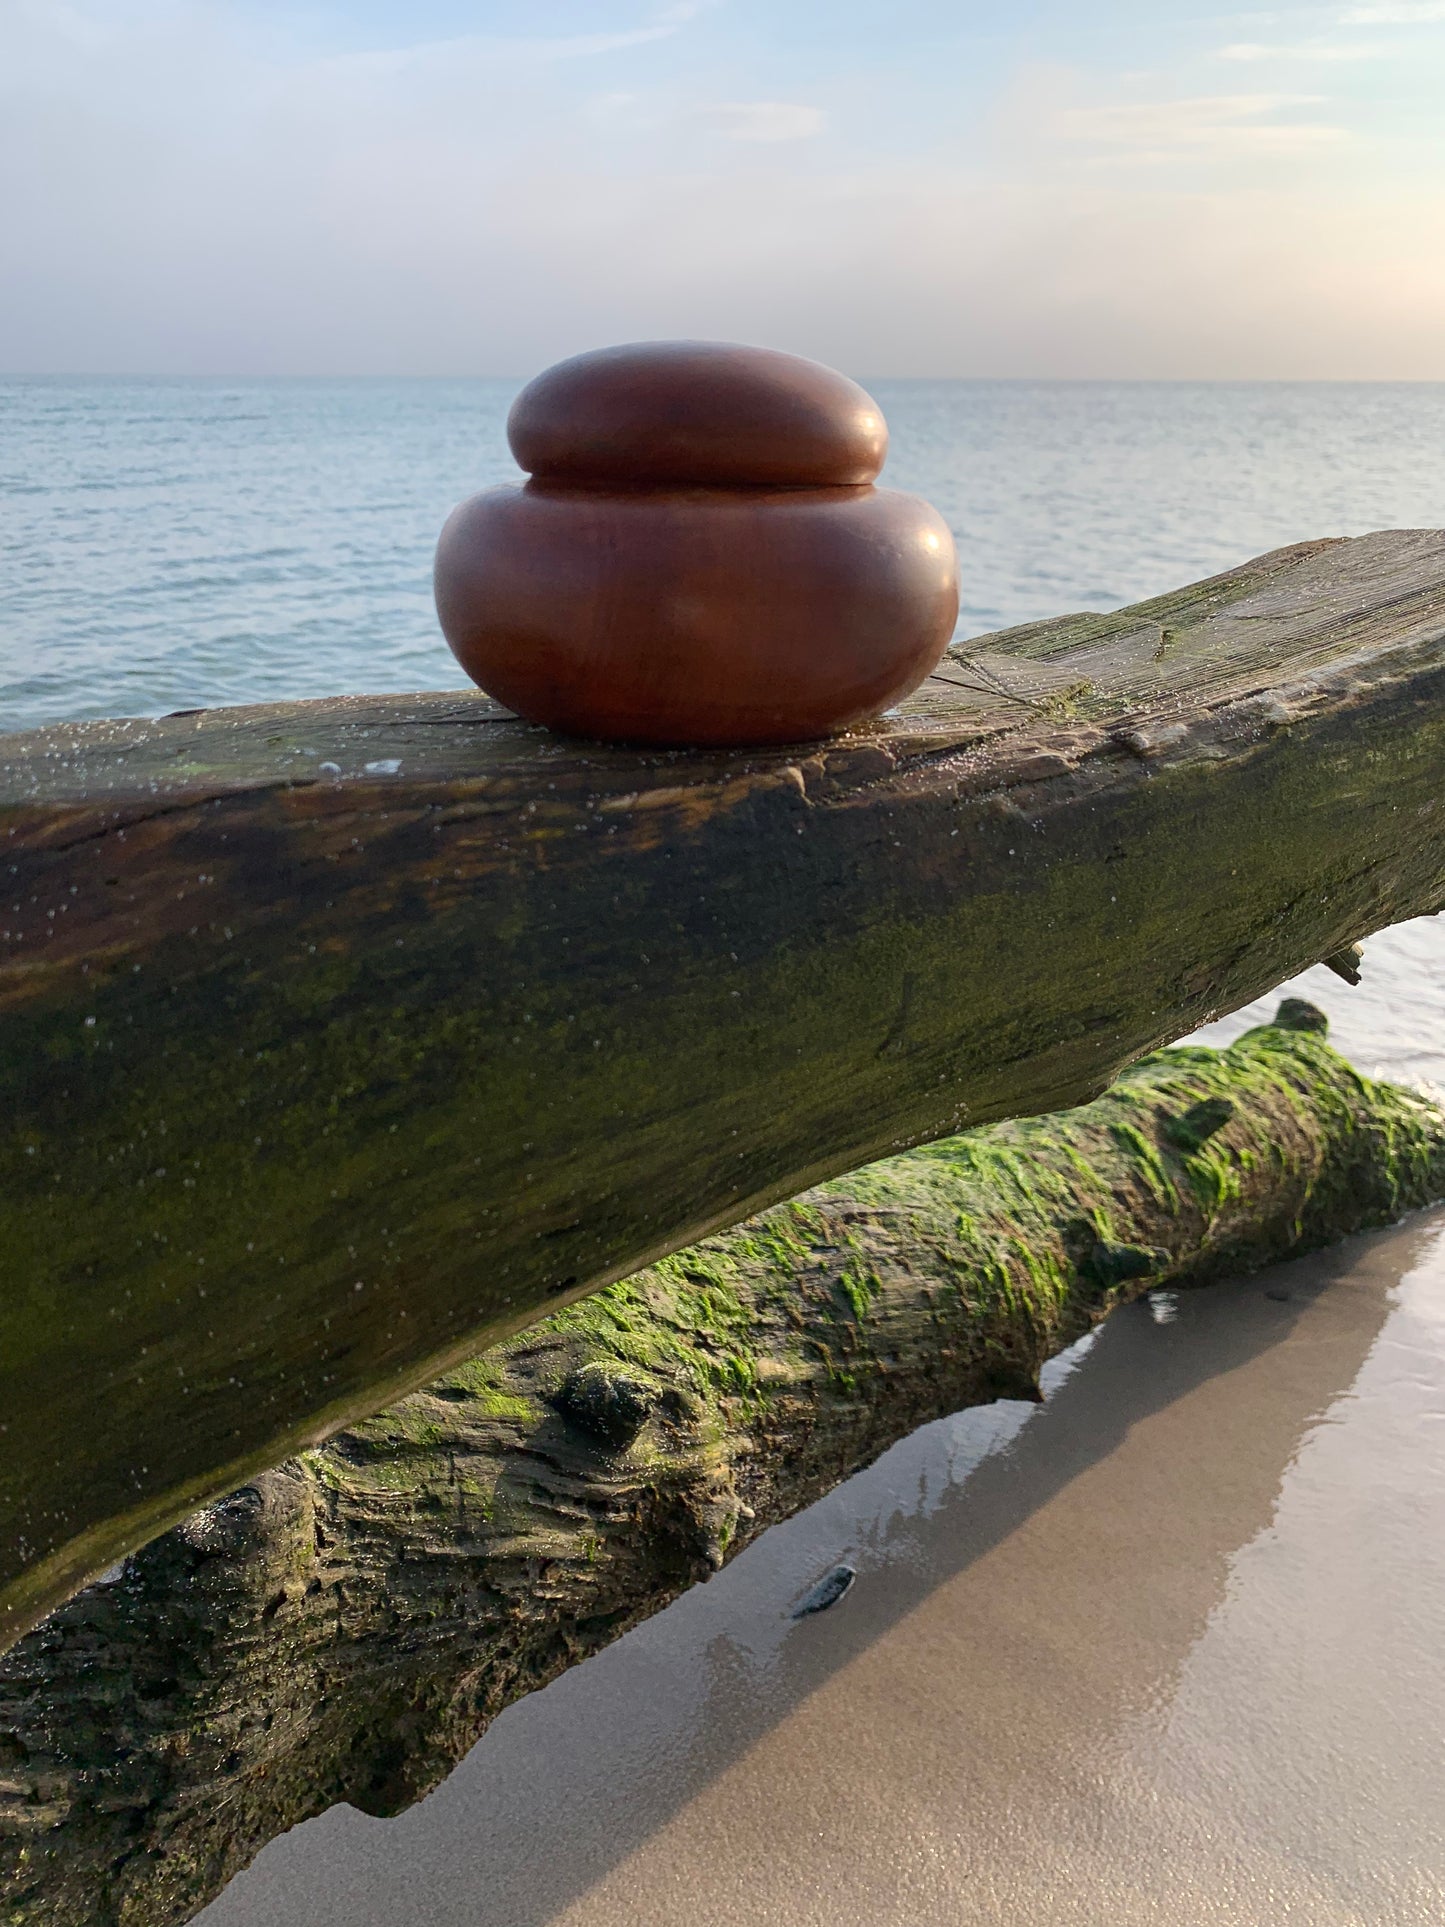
{"x":341,"y":1039}
{"x":345,"y":1627}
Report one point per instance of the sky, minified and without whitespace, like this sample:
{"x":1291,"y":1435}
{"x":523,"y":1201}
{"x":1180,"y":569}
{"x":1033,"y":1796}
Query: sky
{"x":1056,"y":188}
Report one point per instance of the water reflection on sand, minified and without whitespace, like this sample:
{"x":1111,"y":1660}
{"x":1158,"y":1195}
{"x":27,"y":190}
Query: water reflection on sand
{"x":1163,"y":1650}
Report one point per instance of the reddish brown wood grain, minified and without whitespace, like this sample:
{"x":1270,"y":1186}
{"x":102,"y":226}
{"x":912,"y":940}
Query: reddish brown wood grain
{"x":699,"y":559}
{"x":697,"y":411}
{"x":697,"y":616}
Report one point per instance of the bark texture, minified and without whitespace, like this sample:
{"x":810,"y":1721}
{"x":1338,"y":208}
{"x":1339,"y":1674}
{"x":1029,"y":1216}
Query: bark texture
{"x":343,"y":1628}
{"x":340,"y":1040}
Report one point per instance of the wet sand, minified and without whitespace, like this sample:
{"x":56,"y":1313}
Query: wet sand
{"x":1165,"y":1649}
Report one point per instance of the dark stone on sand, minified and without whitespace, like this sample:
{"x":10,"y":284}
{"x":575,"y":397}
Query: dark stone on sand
{"x":832,"y":1587}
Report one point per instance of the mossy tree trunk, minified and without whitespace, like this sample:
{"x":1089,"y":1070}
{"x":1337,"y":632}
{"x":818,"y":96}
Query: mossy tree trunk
{"x":345,"y":1627}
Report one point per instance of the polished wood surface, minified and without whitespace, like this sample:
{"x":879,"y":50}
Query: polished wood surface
{"x":697,"y":411}
{"x":697,"y":616}
{"x":699,"y":558}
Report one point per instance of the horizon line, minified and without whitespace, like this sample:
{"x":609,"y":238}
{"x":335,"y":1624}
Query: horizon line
{"x":1081,"y":381}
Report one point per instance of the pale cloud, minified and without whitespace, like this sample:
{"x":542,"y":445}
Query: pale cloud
{"x":661,"y":116}
{"x":67,"y":23}
{"x":1395,"y":13}
{"x":685,"y":10}
{"x":577,"y":46}
{"x":967,"y":274}
{"x":1309,"y":50}
{"x":765,"y":120}
{"x":500,"y":49}
{"x":1217,"y":124}
{"x":205,"y":195}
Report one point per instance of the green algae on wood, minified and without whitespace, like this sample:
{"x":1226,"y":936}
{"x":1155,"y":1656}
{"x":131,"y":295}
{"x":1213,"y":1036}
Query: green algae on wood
{"x":341,"y":1039}
{"x":345,"y":1627}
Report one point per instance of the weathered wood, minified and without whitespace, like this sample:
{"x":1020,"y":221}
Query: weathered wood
{"x":340,"y":1039}
{"x":345,"y":1627}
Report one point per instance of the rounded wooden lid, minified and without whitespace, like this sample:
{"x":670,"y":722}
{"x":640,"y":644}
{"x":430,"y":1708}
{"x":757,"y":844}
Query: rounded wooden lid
{"x":704,"y":412}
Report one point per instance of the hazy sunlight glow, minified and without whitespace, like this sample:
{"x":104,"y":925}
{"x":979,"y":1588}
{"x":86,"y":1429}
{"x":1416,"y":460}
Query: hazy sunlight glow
{"x":237,"y":186}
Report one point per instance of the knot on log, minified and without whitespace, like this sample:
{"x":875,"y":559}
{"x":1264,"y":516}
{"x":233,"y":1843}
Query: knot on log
{"x":229,"y":1526}
{"x":1298,"y":1013}
{"x":1198,"y":1124}
{"x":258,"y":1543}
{"x":605,"y":1402}
{"x":712,"y":1512}
{"x":1105,"y":1264}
